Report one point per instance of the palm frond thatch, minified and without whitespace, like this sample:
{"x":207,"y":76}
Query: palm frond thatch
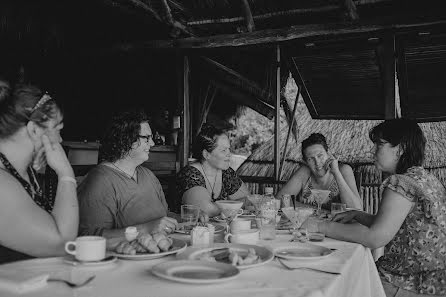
{"x":347,"y":139}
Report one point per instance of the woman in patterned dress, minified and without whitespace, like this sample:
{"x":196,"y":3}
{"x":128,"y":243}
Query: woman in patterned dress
{"x":30,"y":224}
{"x":322,"y":171}
{"x":210,"y":178}
{"x":411,"y":220}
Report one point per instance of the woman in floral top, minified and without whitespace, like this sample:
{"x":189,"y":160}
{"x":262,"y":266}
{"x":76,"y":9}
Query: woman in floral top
{"x":411,"y":221}
{"x":210,"y":178}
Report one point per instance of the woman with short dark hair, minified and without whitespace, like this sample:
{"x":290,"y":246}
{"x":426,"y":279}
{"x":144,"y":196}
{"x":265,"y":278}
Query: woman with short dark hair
{"x":411,"y":219}
{"x":210,"y":178}
{"x":119,"y":192}
{"x":30,"y":224}
{"x":322,"y":171}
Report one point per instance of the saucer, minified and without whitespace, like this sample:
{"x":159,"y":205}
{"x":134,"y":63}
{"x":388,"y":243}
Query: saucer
{"x":106,"y":261}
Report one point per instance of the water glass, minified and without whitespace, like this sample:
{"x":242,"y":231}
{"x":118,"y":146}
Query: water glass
{"x":313,"y":233}
{"x":338,"y":208}
{"x":267,"y":228}
{"x":189,"y":216}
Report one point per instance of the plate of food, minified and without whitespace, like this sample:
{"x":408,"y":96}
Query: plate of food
{"x":242,"y":256}
{"x":302,"y":251}
{"x":148,"y":247}
{"x":195,"y":272}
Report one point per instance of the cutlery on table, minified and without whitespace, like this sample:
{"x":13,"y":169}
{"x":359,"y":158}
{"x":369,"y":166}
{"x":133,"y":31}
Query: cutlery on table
{"x":72,"y":284}
{"x":307,"y":268}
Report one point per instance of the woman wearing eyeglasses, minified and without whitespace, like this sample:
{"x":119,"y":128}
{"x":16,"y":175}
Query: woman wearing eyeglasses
{"x":30,"y":224}
{"x":119,"y":192}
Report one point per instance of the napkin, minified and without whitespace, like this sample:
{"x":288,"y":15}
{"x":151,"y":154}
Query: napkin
{"x":21,"y":281}
{"x":321,"y":265}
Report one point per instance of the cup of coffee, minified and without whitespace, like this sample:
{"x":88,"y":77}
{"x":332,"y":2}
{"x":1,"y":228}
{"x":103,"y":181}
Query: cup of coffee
{"x":87,"y":248}
{"x":243,"y":237}
{"x":240,"y":224}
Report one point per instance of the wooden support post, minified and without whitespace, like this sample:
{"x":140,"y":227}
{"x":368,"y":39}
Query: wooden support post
{"x":211,"y":92}
{"x":290,"y":128}
{"x":276,"y":85}
{"x":183,"y":101}
{"x":386,"y":59}
{"x":248,"y":16}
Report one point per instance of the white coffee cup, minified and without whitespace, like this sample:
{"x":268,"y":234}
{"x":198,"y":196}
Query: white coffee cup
{"x":87,"y":248}
{"x":240,"y":225}
{"x":243,"y":237}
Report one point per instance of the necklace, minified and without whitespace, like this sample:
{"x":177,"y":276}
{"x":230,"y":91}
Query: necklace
{"x":212,"y":186}
{"x":131,"y":176}
{"x":32,"y":187}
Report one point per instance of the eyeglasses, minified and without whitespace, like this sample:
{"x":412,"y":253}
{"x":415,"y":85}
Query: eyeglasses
{"x":147,"y":138}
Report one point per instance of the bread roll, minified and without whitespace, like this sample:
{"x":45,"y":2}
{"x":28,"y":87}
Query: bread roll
{"x":148,"y":243}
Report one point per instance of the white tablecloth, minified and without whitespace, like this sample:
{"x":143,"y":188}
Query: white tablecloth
{"x":134,"y":278}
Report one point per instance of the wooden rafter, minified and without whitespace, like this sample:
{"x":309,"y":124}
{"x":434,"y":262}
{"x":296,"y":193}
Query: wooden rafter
{"x":301,"y":11}
{"x":277,"y":35}
{"x":248,"y":16}
{"x":177,"y":26}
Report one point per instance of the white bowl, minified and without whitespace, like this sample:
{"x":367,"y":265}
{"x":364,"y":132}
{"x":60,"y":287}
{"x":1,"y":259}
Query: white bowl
{"x":229,"y":204}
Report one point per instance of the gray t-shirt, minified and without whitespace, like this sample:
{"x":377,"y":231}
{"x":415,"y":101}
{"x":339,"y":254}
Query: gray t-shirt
{"x":109,"y":199}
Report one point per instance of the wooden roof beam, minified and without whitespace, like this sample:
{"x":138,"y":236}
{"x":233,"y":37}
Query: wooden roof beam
{"x":177,"y":27}
{"x":269,"y":15}
{"x":332,"y":30}
{"x":248,"y":16}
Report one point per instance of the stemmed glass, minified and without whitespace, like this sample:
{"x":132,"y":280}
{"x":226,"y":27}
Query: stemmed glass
{"x":320,"y":196}
{"x":297,"y":216}
{"x":229,"y":210}
{"x":257,"y":200}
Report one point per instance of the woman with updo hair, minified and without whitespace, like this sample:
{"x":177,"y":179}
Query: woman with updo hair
{"x":210,"y":178}
{"x":30,"y":224}
{"x":322,"y":171}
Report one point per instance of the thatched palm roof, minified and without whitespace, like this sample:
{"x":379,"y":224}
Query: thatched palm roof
{"x":349,"y":140}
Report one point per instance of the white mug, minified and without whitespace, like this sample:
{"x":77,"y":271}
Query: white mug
{"x":240,"y":225}
{"x":87,"y":248}
{"x":243,"y":237}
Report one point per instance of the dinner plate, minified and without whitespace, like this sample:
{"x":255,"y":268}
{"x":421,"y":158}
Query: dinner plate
{"x":195,"y":253}
{"x":106,"y":261}
{"x":177,"y":246}
{"x":302,"y":251}
{"x":195,"y":272}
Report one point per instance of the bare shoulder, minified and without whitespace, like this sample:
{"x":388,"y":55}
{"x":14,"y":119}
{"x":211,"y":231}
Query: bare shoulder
{"x":345,"y":168}
{"x":302,"y":172}
{"x":197,"y":193}
{"x":12,"y":190}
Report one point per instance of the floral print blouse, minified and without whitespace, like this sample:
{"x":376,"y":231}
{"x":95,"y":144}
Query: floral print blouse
{"x":190,"y":177}
{"x":415,"y":259}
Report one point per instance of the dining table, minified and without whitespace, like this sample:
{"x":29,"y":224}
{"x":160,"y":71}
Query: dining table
{"x":357,"y":276}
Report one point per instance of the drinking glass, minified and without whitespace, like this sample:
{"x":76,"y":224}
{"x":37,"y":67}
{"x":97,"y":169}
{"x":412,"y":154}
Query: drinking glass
{"x":320,"y":196}
{"x":338,"y":208}
{"x":297,"y":216}
{"x":189,"y":216}
{"x":313,"y":233}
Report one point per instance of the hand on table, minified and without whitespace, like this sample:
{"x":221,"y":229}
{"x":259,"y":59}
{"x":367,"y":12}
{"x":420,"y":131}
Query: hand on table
{"x":345,"y":217}
{"x":164,"y":224}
